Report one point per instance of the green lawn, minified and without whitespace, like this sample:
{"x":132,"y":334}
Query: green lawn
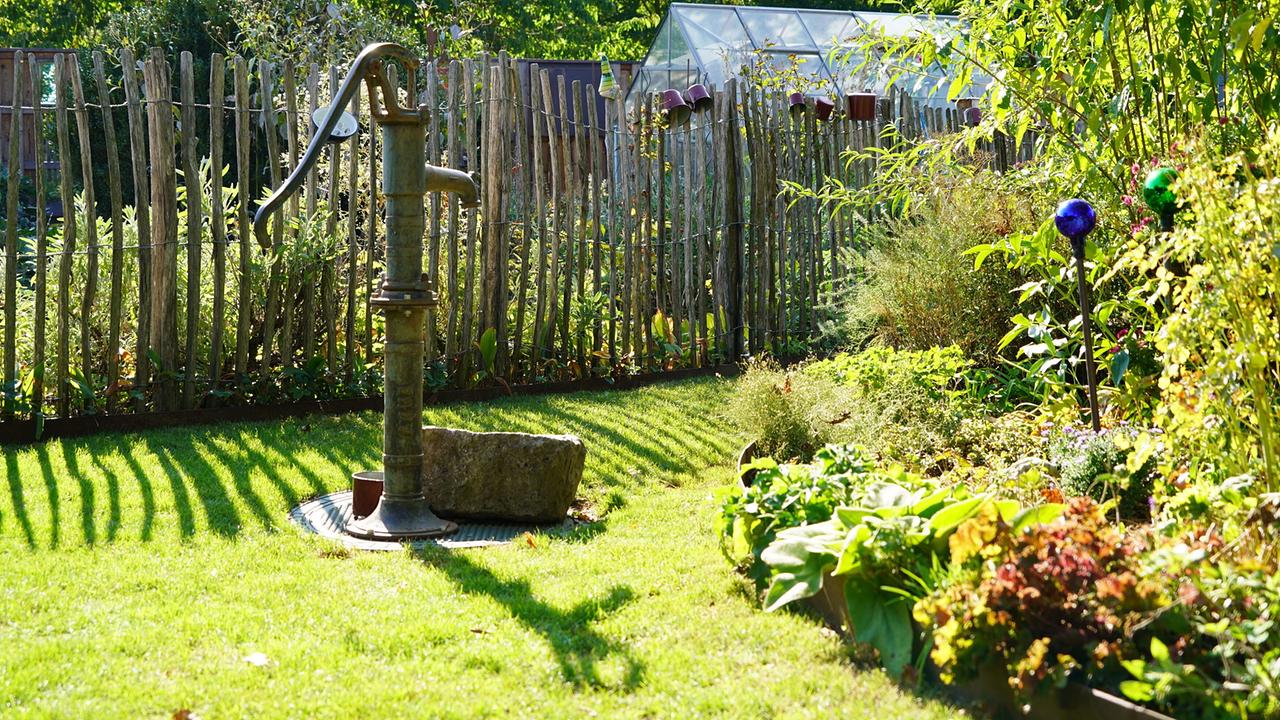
{"x":137,"y":572}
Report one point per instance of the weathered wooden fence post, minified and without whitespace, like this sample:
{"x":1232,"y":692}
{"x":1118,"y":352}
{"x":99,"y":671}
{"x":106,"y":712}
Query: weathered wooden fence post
{"x":116,"y":301}
{"x":195,"y":225}
{"x":63,"y":372}
{"x":164,"y":227}
{"x":11,"y":237}
{"x":42,"y":249}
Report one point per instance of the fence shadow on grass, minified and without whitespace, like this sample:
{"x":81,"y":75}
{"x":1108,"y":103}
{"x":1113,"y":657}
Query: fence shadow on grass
{"x":224,"y":481}
{"x":17,"y":499}
{"x":578,"y":647}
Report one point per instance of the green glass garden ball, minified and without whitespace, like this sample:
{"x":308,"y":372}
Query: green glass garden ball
{"x":1156,"y":192}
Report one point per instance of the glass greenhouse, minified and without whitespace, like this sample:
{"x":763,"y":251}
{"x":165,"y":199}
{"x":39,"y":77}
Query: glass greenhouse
{"x":709,"y":43}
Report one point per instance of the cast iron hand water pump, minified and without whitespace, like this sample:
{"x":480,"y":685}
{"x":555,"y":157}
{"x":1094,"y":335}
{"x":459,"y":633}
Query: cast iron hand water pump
{"x":404,"y":295}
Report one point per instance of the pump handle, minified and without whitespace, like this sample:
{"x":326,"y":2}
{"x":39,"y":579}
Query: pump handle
{"x":367,"y":67}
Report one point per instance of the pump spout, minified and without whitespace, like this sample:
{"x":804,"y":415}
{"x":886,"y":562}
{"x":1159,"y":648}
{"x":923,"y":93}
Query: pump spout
{"x":455,"y":181}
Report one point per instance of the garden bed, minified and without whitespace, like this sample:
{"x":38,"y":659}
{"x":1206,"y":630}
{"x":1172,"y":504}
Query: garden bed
{"x":990,"y":690}
{"x":1045,"y":560}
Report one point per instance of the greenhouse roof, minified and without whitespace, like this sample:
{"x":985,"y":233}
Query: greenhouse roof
{"x":710,"y":43}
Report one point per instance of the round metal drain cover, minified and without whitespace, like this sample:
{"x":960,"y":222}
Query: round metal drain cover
{"x":327,"y":515}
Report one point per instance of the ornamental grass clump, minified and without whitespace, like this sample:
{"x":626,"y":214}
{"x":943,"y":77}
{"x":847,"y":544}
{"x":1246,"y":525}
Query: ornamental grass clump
{"x":921,"y":289}
{"x":777,"y":408}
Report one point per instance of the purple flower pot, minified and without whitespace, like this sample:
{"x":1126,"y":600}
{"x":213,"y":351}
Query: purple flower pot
{"x":798,"y":104}
{"x":699,"y":97}
{"x":674,"y":107}
{"x":823,"y":107}
{"x":972,"y":116}
{"x":861,"y":106}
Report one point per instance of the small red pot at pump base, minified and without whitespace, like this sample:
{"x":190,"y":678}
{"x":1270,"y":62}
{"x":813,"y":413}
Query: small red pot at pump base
{"x":366,"y":491}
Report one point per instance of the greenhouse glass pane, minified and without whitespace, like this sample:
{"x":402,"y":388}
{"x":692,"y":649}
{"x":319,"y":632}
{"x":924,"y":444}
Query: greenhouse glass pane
{"x":718,"y":72}
{"x":646,"y":83}
{"x":707,"y":43}
{"x":719,"y":25}
{"x":808,"y":66}
{"x":722,"y":49}
{"x":891,"y":24}
{"x":782,"y":28}
{"x":660,"y":53}
{"x":651,"y":81}
{"x":831,"y":29}
{"x":682,"y":79}
{"x":852,"y":76}
{"x":681,"y":54}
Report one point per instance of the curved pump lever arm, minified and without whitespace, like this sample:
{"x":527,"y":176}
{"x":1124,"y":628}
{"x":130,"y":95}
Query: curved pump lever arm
{"x":367,"y":67}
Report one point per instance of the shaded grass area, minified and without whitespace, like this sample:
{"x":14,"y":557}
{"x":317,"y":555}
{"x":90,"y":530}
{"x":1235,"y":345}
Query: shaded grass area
{"x":138,"y":572}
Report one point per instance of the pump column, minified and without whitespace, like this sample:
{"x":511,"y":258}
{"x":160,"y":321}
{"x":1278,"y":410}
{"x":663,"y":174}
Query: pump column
{"x":404,"y":298}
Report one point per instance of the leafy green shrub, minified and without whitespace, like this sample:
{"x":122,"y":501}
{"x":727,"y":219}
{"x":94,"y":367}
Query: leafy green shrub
{"x":907,"y":406}
{"x":1096,"y":465}
{"x":1228,"y":666}
{"x":921,"y":290}
{"x":1221,"y":659}
{"x":1220,"y":345}
{"x":882,"y":533}
{"x":997,"y":442}
{"x":784,"y":496}
{"x":1084,"y":79}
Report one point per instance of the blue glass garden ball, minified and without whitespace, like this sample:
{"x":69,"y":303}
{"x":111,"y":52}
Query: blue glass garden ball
{"x":1075,"y":218}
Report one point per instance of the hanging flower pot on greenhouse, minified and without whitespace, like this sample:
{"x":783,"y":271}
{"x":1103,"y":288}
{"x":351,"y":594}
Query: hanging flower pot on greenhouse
{"x":861,"y":106}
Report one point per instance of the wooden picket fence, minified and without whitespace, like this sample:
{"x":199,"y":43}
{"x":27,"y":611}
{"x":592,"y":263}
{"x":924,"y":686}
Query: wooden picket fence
{"x":607,"y":242}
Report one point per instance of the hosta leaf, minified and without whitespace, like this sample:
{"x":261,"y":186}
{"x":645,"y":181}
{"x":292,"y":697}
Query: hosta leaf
{"x":850,"y":558}
{"x":788,"y":587}
{"x":889,"y":495}
{"x":1008,"y":509}
{"x":930,"y":504}
{"x":849,"y":517}
{"x":882,"y":621}
{"x":798,"y":558}
{"x":950,"y":517}
{"x":1037,"y":515}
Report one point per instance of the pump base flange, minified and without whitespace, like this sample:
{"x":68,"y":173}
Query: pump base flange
{"x":400,"y":520}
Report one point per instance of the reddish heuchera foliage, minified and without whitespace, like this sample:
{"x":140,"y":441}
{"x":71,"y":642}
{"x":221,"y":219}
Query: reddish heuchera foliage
{"x":1061,"y":596}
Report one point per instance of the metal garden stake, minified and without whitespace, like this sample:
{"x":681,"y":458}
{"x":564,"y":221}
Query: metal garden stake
{"x":1075,"y":219}
{"x":404,"y":295}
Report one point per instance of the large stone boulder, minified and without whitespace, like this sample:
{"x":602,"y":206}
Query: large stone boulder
{"x":501,"y":475}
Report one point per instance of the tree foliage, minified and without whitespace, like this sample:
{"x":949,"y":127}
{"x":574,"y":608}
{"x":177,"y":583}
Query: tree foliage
{"x":553,"y":29}
{"x":53,"y":23}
